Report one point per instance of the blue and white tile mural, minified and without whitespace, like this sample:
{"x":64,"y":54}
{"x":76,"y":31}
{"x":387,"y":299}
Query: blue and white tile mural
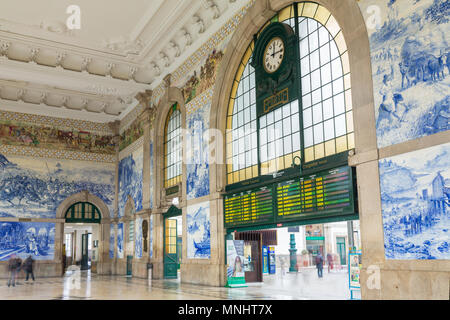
{"x":151,"y":237}
{"x":151,"y":175}
{"x":409,"y":44}
{"x":415,"y":198}
{"x":120,"y":240}
{"x":198,"y":231}
{"x":197,"y":164}
{"x":130,"y":180}
{"x":138,"y":238}
{"x":112,"y":237}
{"x":34,"y":188}
{"x":27,"y":238}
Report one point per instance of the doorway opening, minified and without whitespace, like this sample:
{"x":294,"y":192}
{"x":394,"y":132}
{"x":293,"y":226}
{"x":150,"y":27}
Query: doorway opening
{"x":82,"y":237}
{"x":286,"y":260}
{"x":173,"y":235}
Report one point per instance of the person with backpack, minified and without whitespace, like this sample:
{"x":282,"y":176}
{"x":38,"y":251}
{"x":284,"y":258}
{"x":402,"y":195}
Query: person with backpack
{"x":28,"y":267}
{"x":319,"y":264}
{"x":14,"y":264}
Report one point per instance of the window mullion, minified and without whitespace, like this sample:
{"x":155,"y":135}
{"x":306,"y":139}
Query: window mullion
{"x":300,"y":99}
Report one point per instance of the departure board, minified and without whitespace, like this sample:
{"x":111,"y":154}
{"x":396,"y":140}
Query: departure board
{"x":249,"y":207}
{"x":327,"y":191}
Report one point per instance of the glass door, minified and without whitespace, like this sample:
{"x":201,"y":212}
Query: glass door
{"x":84,"y":251}
{"x":340,"y":244}
{"x":170,"y":249}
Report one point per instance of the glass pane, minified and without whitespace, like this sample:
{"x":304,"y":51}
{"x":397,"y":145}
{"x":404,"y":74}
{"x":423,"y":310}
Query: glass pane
{"x":307,"y":117}
{"x":339,"y":105}
{"x":294,"y":106}
{"x":328,"y":109}
{"x":306,"y":84}
{"x":306,"y":101}
{"x":309,"y":141}
{"x":317,"y":113}
{"x":315,"y":61}
{"x":304,"y":65}
{"x":318,"y":133}
{"x":325,"y":72}
{"x":329,"y":129}
{"x":340,"y":125}
{"x":313,"y":41}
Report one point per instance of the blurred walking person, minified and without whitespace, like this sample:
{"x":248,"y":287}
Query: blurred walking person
{"x":319,"y":264}
{"x":14,"y":264}
{"x":330,"y":262}
{"x":28,"y":267}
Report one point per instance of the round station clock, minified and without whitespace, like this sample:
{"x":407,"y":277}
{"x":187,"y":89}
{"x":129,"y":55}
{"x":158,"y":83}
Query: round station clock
{"x":273,"y":55}
{"x":275,"y":59}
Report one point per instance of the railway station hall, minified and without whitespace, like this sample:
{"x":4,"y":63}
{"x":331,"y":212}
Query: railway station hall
{"x":224,"y":150}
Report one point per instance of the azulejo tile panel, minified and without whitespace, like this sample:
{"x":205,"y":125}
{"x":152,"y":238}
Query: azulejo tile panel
{"x":138,"y":238}
{"x":415,"y":198}
{"x":130,"y":180}
{"x":197,"y":155}
{"x":410,"y":67}
{"x":120,"y":243}
{"x":198,"y":231}
{"x":35,"y":239}
{"x":35,"y":188}
{"x":112,"y":237}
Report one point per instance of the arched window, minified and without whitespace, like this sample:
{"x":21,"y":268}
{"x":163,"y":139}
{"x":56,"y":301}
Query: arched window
{"x":83,"y":212}
{"x":172,"y":148}
{"x":318,"y":125}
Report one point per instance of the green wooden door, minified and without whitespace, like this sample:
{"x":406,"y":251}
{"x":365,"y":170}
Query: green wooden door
{"x":84,"y":252}
{"x":340,"y":243}
{"x":129,"y":265}
{"x":170,"y":249}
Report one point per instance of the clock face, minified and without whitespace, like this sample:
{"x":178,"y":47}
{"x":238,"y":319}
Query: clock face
{"x":273,"y":55}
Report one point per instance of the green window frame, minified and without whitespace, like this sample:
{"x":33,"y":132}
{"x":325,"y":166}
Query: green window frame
{"x":317,"y":128}
{"x":83,"y":212}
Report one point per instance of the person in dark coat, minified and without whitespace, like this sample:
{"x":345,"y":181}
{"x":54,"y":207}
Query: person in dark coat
{"x":14,"y":264}
{"x":28,"y":267}
{"x":319,"y":264}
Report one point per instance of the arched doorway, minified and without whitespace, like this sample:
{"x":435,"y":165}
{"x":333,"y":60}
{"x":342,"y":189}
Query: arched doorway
{"x":83,"y":212}
{"x":82,"y":235}
{"x":282,"y":139}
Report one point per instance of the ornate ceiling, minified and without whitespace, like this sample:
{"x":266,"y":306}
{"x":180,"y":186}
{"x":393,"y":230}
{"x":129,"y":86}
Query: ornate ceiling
{"x":94,"y":73}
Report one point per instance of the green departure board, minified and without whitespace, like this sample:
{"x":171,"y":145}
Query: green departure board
{"x":249,"y":207}
{"x":325,"y":194}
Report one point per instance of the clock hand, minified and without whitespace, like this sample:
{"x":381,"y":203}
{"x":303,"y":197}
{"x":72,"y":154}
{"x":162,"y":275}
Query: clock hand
{"x":277,"y":52}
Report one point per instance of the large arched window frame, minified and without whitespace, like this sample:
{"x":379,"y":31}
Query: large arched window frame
{"x":317,"y":126}
{"x":83,"y":212}
{"x":172,"y":148}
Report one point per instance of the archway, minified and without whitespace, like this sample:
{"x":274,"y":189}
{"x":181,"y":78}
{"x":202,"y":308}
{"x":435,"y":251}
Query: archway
{"x":83,"y":239}
{"x":356,"y":44}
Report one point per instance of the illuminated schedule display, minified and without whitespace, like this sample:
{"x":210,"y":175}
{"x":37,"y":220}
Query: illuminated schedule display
{"x":327,"y":193}
{"x":249,"y":207}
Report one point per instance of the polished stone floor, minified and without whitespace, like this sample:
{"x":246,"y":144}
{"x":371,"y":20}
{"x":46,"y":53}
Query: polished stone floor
{"x":304,"y":285}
